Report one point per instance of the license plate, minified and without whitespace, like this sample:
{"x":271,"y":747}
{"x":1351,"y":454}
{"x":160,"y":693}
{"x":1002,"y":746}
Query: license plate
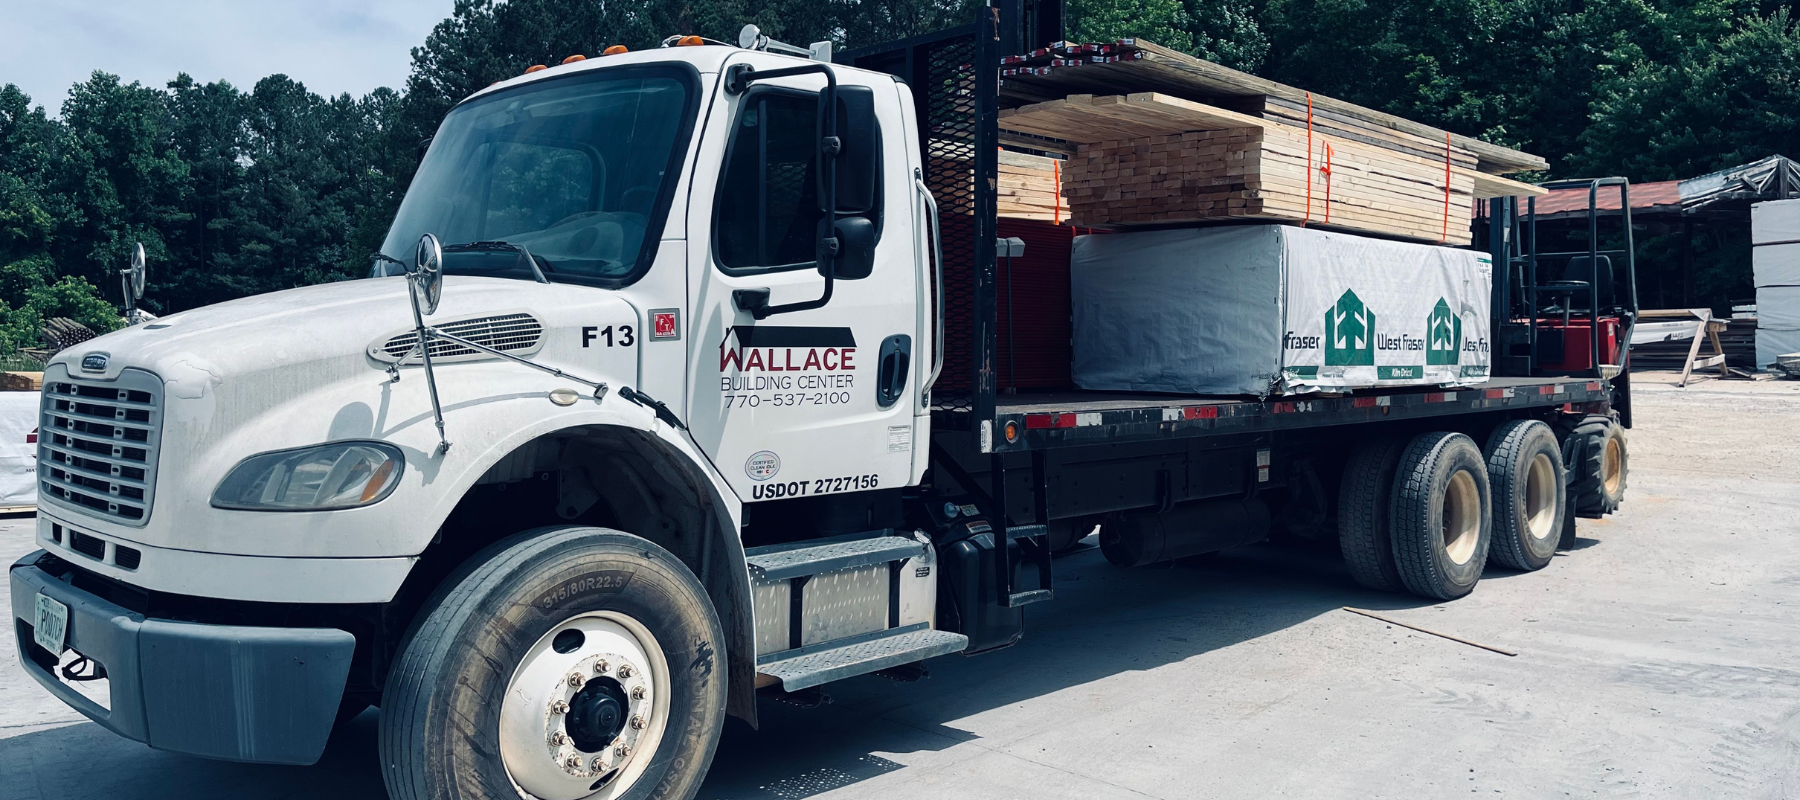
{"x":50,"y":625}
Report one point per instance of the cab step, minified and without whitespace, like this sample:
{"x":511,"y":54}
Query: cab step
{"x":784,"y":561}
{"x":806,"y":667}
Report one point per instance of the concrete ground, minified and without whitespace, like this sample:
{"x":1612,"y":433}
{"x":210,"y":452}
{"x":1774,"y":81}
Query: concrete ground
{"x":1658,"y":659}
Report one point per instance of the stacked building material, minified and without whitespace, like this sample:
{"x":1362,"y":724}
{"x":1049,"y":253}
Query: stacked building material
{"x":1775,"y":256}
{"x":1030,"y":187}
{"x":1192,"y":141}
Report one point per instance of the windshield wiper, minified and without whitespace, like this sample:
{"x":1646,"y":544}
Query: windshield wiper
{"x":497,"y":245}
{"x":384,"y":257}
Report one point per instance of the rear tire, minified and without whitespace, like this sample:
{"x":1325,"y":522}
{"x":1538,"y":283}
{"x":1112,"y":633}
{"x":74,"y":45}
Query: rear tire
{"x":1598,"y":485}
{"x":1063,"y":534}
{"x":1441,"y":515}
{"x":471,"y":712}
{"x":1525,"y":475}
{"x":1363,"y":524}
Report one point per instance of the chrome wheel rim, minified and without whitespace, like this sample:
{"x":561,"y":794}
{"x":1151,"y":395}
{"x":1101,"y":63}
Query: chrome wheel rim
{"x":585,"y":709}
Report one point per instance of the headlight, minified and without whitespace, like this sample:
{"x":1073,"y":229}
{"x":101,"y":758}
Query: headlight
{"x":318,"y":478}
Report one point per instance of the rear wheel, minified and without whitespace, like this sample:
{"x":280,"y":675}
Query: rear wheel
{"x":565,"y":663}
{"x":1363,"y":528}
{"x":1440,"y":515}
{"x":1525,"y":475}
{"x":1598,"y":485}
{"x":1064,"y":534}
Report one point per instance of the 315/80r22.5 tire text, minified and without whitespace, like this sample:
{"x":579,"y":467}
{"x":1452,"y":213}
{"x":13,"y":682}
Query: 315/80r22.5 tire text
{"x":560,"y":663}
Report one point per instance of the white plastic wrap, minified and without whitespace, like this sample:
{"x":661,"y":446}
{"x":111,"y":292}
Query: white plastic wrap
{"x":1274,"y":309}
{"x":1775,"y":221}
{"x":1776,"y":264}
{"x":1771,"y":343}
{"x":1778,"y":308}
{"x":18,"y":457}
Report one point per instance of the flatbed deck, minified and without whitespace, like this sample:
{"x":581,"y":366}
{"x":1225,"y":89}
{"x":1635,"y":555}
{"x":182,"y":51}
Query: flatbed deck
{"x":1045,"y":420}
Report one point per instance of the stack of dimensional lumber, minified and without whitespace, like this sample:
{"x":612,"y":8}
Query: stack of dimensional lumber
{"x":1029,"y":187}
{"x":1136,"y":65}
{"x":1148,"y":158}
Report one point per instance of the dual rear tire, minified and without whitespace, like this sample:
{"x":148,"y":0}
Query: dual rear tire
{"x":1416,"y":514}
{"x":1427,"y":514}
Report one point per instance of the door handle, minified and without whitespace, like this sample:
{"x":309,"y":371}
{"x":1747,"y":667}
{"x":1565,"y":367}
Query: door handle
{"x":891,"y":368}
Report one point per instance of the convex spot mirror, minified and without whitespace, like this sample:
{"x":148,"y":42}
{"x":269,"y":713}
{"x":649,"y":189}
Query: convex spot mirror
{"x":134,"y":274}
{"x":858,"y":158}
{"x":855,"y":257}
{"x":427,"y":278}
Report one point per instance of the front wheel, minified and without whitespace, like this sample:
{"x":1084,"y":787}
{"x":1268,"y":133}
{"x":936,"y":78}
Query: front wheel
{"x":563,"y":663}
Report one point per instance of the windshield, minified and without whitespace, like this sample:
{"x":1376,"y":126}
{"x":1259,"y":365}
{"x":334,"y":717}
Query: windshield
{"x":577,"y":171}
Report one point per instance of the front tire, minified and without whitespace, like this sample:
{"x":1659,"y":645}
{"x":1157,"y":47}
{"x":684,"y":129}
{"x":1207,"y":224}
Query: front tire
{"x":560,"y":663}
{"x":1441,"y":513}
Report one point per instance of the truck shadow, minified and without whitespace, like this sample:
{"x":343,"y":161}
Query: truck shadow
{"x":1105,"y":622}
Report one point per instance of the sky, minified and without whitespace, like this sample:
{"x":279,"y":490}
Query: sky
{"x":332,"y":46}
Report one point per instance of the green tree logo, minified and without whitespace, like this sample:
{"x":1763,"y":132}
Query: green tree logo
{"x":1349,"y":333}
{"x":1443,"y":335}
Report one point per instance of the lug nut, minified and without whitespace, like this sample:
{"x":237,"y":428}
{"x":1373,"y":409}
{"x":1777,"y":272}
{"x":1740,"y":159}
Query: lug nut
{"x":624,"y":670}
{"x":638,"y":692}
{"x":559,"y":738}
{"x":572,"y":762}
{"x":599,"y":763}
{"x":637,"y":721}
{"x":600,"y":667}
{"x":622,"y":751}
{"x":576,"y":679}
{"x":559,"y":707}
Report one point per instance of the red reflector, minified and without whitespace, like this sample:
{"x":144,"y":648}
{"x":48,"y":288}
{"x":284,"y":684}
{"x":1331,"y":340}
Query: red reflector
{"x":1593,"y":386}
{"x":1493,"y":394}
{"x":1283,"y":408}
{"x":31,"y":438}
{"x":1363,"y":402}
{"x":1049,"y":421}
{"x":1546,"y":389}
{"x":1437,"y":397}
{"x":1200,"y":412}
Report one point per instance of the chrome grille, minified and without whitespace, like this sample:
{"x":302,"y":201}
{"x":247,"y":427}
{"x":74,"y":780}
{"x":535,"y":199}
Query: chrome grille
{"x":98,"y":443}
{"x":509,"y":333}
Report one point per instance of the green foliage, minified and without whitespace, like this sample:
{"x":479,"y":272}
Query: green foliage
{"x":236,"y":192}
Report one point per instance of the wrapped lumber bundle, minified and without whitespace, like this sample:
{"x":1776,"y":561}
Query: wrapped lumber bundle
{"x":1275,"y":309}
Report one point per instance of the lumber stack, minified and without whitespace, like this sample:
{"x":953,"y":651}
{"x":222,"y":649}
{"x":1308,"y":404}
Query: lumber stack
{"x":1206,"y":164}
{"x":1030,"y":188}
{"x":1136,"y":65}
{"x":1191,"y":141}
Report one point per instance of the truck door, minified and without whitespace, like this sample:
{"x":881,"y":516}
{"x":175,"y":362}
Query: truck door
{"x":810,"y":402}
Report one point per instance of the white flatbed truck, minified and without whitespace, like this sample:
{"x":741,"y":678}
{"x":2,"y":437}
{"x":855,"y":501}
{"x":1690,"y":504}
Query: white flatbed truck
{"x":615,"y":457}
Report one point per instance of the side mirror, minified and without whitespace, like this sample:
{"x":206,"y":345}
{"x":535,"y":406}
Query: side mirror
{"x":419,"y":152}
{"x":134,"y":274}
{"x":858,"y":158}
{"x":427,"y":278}
{"x":854,"y":258}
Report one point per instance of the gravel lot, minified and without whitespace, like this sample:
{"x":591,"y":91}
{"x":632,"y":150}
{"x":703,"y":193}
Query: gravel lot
{"x":1656,"y":660}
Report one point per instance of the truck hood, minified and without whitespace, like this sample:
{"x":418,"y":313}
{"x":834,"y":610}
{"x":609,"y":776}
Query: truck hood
{"x":327,"y":329}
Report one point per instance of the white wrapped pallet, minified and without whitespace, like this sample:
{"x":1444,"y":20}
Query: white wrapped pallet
{"x":1772,"y":343}
{"x":1776,"y":264}
{"x":1778,"y":307}
{"x":1275,"y":309}
{"x":1775,"y":222}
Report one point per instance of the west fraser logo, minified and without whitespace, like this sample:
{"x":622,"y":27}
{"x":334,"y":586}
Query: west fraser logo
{"x":1349,"y":333}
{"x":1443,"y":335}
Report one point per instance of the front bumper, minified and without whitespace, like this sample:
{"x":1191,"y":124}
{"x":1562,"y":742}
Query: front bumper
{"x":231,"y":692}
